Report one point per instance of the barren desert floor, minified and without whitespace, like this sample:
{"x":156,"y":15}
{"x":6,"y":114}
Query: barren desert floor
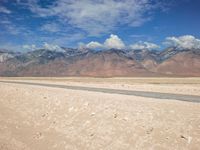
{"x":36,"y":117}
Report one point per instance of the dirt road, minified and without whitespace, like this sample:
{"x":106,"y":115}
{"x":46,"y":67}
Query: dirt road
{"x":157,"y":95}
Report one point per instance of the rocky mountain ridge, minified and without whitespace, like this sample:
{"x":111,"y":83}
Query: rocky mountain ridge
{"x":105,"y":63}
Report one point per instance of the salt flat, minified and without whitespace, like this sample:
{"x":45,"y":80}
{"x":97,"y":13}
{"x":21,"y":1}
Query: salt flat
{"x":37,"y":117}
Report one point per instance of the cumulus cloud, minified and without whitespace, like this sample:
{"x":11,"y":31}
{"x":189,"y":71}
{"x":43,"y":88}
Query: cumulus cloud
{"x":114,"y":42}
{"x":94,"y":45}
{"x":4,"y":10}
{"x":144,"y":45}
{"x":52,"y":47}
{"x":97,"y":16}
{"x":183,"y":42}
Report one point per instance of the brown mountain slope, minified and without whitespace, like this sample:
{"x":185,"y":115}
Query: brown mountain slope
{"x":150,"y":64}
{"x":182,"y":64}
{"x":105,"y":64}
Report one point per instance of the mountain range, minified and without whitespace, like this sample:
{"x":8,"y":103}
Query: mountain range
{"x":105,"y":63}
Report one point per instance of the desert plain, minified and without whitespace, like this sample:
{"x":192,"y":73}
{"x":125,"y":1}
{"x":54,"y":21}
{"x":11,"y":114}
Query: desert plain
{"x":36,"y":115}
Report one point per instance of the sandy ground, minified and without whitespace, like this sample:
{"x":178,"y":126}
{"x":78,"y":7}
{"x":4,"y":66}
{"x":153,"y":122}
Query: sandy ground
{"x":43,"y":118}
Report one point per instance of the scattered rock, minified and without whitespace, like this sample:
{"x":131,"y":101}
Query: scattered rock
{"x":189,"y":139}
{"x":183,"y":137}
{"x":149,"y":130}
{"x":115,"y":115}
{"x":44,"y":115}
{"x":92,"y":114}
{"x":38,"y":135}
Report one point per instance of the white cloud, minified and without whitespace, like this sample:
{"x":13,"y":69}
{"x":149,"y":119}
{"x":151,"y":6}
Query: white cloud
{"x":144,"y":45}
{"x":11,"y":28}
{"x":4,"y":10}
{"x":50,"y":27}
{"x":29,"y":47}
{"x":97,"y":16}
{"x":52,"y":47}
{"x":114,"y":42}
{"x":94,"y":45}
{"x":183,"y":42}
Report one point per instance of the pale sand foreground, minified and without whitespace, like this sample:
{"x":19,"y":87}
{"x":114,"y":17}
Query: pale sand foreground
{"x":42,"y":118}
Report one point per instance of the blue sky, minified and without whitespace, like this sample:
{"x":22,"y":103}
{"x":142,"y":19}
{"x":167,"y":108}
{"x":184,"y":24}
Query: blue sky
{"x":28,"y":24}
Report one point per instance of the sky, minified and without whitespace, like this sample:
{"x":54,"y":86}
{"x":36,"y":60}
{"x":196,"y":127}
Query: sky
{"x":137,"y":24}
